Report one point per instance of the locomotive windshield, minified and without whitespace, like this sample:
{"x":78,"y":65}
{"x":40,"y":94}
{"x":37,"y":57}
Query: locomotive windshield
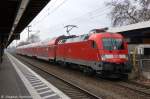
{"x":113,"y":44}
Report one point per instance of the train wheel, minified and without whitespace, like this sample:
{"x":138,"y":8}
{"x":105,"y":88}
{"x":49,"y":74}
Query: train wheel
{"x":124,"y":77}
{"x":64,"y":64}
{"x":88,"y":71}
{"x":52,"y":61}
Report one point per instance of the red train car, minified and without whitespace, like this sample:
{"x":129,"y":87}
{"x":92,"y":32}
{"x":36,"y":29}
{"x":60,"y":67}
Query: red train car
{"x":44,"y":50}
{"x":98,"y":51}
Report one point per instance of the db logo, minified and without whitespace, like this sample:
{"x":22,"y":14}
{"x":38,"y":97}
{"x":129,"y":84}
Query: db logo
{"x":116,"y":56}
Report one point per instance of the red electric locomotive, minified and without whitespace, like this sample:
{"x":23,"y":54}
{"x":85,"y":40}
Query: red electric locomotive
{"x":99,"y":51}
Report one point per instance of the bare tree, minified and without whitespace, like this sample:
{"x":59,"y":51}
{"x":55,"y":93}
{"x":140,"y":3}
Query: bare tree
{"x":33,"y":38}
{"x":126,"y":12}
{"x":23,"y":43}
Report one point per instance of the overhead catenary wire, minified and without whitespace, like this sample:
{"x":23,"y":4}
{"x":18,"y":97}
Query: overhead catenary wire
{"x":64,"y":1}
{"x":52,"y":5}
{"x":49,"y":13}
{"x":90,"y":16}
{"x":93,"y":12}
{"x":100,"y":11}
{"x":100,"y":14}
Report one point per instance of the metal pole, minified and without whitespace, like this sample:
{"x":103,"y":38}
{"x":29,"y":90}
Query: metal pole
{"x":1,"y":49}
{"x":16,"y":43}
{"x":28,"y":27}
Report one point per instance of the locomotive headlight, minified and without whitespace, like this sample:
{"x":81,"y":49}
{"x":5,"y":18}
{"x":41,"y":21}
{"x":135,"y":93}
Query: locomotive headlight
{"x":123,"y":56}
{"x":110,"y":56}
{"x":106,"y":56}
{"x":103,"y":57}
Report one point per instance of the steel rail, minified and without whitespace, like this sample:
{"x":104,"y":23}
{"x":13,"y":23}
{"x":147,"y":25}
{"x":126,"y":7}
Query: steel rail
{"x":67,"y":82}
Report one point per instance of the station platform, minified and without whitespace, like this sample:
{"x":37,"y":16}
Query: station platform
{"x":17,"y":81}
{"x":147,"y":75}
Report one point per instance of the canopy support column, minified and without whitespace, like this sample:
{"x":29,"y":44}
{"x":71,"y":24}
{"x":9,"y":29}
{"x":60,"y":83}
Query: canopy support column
{"x":1,"y":49}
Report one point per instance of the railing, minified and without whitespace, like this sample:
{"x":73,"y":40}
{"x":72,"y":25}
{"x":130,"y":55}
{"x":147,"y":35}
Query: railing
{"x":144,"y":63}
{"x":141,"y":63}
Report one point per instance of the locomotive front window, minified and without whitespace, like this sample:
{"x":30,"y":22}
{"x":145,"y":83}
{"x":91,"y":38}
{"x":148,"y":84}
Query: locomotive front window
{"x":113,"y":44}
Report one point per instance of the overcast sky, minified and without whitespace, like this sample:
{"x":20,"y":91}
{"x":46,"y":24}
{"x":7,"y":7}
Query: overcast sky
{"x":86,"y":14}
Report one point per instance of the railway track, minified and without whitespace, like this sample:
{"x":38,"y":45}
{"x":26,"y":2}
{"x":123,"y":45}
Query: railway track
{"x":134,"y":87}
{"x":141,"y":89}
{"x":72,"y":90}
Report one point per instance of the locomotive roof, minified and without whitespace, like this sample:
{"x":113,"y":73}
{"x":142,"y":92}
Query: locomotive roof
{"x":77,"y":38}
{"x":86,"y":36}
{"x":101,"y":30}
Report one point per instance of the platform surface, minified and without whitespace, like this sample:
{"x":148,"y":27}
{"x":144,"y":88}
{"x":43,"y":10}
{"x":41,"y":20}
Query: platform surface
{"x":10,"y":83}
{"x":146,"y":74}
{"x":18,"y":81}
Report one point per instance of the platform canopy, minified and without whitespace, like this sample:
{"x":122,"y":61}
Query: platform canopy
{"x":15,"y":16}
{"x":138,"y":33}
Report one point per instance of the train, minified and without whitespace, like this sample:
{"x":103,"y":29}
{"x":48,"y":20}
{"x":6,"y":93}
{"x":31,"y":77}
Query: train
{"x":98,"y":52}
